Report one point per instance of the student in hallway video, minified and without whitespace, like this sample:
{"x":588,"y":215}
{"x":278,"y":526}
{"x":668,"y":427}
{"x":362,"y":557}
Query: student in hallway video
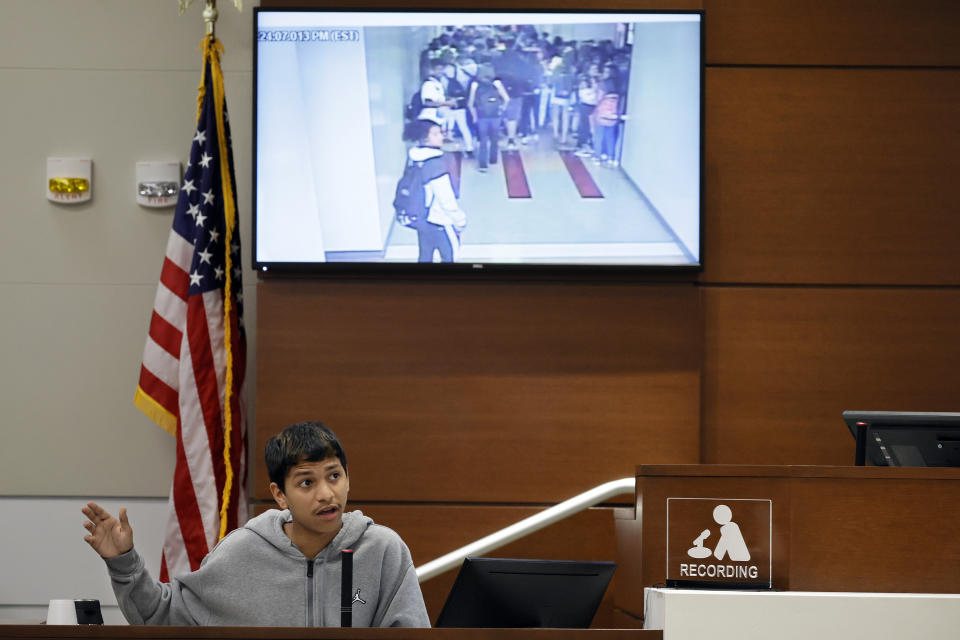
{"x":440,"y":232}
{"x":282,"y":568}
{"x":486,"y":102}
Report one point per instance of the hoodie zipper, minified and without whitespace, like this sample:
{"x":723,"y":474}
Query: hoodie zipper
{"x":310,"y":593}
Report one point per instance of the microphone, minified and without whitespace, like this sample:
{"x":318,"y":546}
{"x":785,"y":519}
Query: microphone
{"x":703,"y":536}
{"x":346,"y":588}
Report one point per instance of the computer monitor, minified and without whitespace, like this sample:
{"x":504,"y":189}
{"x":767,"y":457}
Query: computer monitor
{"x":495,"y":592}
{"x":905,"y":438}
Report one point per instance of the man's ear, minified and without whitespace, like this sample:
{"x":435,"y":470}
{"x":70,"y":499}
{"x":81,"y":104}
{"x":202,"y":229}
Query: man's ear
{"x":278,"y":496}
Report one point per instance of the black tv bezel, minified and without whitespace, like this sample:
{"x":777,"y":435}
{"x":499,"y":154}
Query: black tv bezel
{"x":468,"y":583}
{"x":520,"y":270}
{"x":861,"y":422}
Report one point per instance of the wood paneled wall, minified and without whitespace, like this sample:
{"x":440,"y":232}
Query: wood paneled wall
{"x":831,"y":277}
{"x":839,"y":176}
{"x":892,"y":33}
{"x":473,"y":392}
{"x":782,"y":363}
{"x":831,"y":282}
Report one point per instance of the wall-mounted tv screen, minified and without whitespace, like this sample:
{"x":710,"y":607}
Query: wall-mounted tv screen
{"x":465,"y":140}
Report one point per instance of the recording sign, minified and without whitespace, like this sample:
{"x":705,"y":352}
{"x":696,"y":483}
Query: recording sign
{"x":719,"y":543}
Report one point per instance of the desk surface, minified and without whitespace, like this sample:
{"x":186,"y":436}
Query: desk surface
{"x":795,"y":471}
{"x":687,"y":614}
{"x":40,"y":632}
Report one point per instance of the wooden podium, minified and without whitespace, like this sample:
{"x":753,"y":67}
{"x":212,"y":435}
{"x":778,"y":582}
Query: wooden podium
{"x":866,"y":529}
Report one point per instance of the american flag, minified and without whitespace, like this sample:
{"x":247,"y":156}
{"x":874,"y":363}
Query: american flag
{"x":195,"y":357}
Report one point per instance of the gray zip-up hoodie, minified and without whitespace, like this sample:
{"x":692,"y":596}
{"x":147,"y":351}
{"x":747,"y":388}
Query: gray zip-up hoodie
{"x":256,"y":576}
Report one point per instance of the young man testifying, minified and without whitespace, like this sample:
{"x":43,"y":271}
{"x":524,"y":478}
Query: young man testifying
{"x":282,"y":568}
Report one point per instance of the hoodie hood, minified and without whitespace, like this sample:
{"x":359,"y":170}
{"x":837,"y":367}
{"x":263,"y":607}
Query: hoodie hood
{"x":269,"y":526}
{"x":419,"y":154}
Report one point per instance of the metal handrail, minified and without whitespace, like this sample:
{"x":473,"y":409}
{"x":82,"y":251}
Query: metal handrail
{"x":526,"y":526}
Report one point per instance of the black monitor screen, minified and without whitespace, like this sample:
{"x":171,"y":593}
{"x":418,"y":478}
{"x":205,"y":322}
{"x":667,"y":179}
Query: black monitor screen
{"x":494,"y":592}
{"x":905,"y":438}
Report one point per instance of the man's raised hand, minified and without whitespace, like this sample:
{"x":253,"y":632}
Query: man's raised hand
{"x":108,"y":535}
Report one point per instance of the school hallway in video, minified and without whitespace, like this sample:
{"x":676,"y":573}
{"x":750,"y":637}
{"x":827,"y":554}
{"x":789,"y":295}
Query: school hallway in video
{"x":553,"y":205}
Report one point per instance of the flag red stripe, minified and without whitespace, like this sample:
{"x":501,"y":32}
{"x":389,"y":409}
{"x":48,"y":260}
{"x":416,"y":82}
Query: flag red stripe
{"x":516,"y":176}
{"x":164,"y":574}
{"x":580,"y":175}
{"x":239,"y":348}
{"x":175,"y":279}
{"x":454,"y":162}
{"x":167,"y":336}
{"x":188,"y":511}
{"x":159,"y":390}
{"x":205,"y":376}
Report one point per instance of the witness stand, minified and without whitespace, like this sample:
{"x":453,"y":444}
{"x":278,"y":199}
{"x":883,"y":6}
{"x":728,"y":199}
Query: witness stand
{"x":791,"y":551}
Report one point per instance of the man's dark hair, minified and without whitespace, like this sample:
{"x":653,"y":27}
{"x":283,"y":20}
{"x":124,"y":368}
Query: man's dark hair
{"x":416,"y":131}
{"x":301,"y":442}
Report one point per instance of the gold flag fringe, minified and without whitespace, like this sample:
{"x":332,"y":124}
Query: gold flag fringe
{"x":212,"y":50}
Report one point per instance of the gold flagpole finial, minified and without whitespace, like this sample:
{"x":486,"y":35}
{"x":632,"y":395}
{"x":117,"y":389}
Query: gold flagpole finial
{"x":209,"y":11}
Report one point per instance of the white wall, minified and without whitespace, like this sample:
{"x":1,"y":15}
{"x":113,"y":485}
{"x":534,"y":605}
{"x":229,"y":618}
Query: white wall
{"x":116,"y":81}
{"x":322,"y":107}
{"x":44,"y":555}
{"x":340,"y":143}
{"x":284,"y":168}
{"x":393,"y":72}
{"x":662,"y":133}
